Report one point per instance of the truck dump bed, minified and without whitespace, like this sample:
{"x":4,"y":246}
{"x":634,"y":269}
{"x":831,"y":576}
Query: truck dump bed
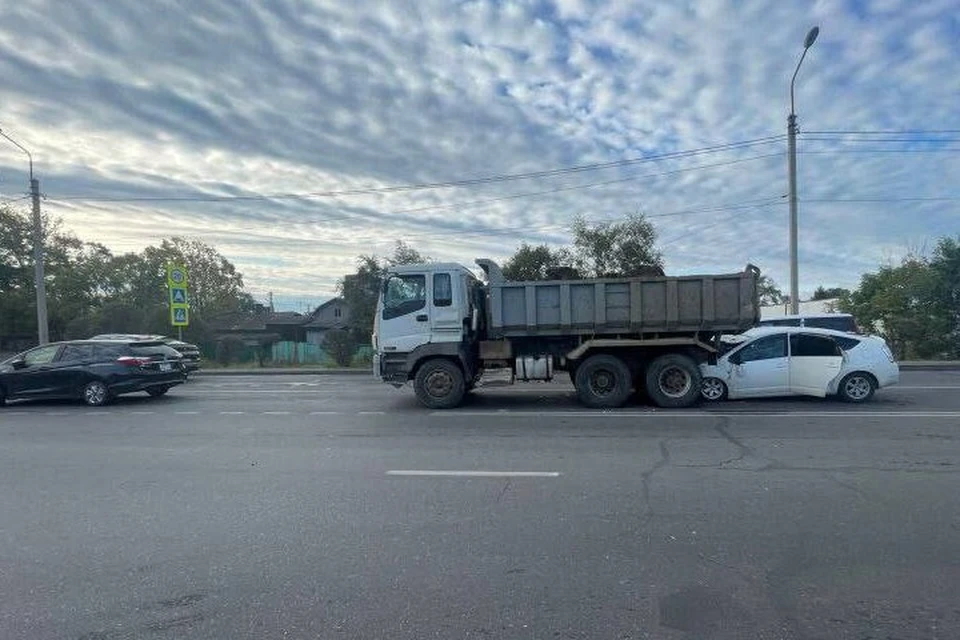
{"x":621,"y":306}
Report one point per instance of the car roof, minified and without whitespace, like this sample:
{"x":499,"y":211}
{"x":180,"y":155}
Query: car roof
{"x":757,"y":332}
{"x":804,"y":316}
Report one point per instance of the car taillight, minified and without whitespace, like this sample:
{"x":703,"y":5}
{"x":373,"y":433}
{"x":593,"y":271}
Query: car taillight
{"x":133,"y":361}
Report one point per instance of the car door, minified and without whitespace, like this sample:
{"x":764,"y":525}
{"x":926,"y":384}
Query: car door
{"x":70,"y":369}
{"x":33,"y":378}
{"x":815,"y":360}
{"x":760,"y":368}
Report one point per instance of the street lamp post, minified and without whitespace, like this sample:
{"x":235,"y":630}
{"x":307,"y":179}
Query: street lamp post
{"x":792,"y":162}
{"x":42,"y":334}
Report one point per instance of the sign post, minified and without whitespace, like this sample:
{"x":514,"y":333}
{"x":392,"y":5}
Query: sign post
{"x":179,"y":302}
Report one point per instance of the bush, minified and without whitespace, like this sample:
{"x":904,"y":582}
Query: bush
{"x":340,"y":345}
{"x":229,"y":350}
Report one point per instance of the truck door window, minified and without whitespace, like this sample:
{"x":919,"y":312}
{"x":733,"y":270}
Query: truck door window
{"x":442,"y":290}
{"x":404,"y":294}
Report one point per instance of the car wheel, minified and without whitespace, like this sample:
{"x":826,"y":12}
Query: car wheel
{"x":3,"y":397}
{"x":713,"y":389}
{"x":156,"y":392}
{"x":96,"y":394}
{"x":603,"y":382}
{"x":857,"y":387}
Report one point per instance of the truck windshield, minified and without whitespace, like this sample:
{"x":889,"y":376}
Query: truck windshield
{"x":404,"y":294}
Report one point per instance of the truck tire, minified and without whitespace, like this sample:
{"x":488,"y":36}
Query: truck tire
{"x":673,"y":380}
{"x":439,"y":384}
{"x":603,"y":382}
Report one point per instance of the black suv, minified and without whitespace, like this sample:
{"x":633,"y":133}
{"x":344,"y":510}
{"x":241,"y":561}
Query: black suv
{"x":94,"y":371}
{"x":190,"y":352}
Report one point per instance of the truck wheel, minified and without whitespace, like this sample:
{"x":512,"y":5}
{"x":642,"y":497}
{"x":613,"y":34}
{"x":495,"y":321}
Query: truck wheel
{"x":439,"y":384}
{"x":603,"y":382}
{"x":673,"y":380}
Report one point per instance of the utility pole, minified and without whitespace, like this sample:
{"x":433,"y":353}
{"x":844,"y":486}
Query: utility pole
{"x":43,"y":336}
{"x":792,"y":169}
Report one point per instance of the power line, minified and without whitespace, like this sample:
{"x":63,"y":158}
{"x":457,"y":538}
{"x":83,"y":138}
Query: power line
{"x":867,"y":151}
{"x":896,"y":199}
{"x":442,"y":185}
{"x":840,"y":139}
{"x":883,"y":132}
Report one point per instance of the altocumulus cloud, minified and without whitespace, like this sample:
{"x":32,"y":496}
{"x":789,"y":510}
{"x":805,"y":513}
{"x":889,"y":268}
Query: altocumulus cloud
{"x":202,"y":118}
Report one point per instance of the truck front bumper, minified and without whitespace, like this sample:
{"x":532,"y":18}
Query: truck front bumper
{"x":391,"y":366}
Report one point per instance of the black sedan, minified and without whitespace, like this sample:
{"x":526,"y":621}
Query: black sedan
{"x":95,"y":371}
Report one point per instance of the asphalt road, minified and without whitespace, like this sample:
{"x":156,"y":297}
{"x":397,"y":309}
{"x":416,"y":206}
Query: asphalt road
{"x":316,"y":507}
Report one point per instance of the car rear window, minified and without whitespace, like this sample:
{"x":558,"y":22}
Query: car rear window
{"x":153,"y":350}
{"x":846,"y":343}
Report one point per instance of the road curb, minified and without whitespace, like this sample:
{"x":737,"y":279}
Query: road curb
{"x":281,"y":372}
{"x":950,"y":365}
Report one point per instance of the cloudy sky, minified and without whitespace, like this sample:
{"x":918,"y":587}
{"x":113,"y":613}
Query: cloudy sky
{"x":283,"y":132}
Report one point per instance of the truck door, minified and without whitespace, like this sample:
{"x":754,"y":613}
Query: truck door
{"x":446,"y":312}
{"x":405,"y":316}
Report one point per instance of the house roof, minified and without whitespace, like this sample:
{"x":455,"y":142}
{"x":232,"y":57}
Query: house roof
{"x":316,"y":322}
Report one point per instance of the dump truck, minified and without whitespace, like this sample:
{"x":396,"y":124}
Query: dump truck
{"x":441,"y":327}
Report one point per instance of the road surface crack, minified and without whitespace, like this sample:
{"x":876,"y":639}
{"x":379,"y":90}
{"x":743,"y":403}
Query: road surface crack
{"x":506,"y":486}
{"x":647,"y":475}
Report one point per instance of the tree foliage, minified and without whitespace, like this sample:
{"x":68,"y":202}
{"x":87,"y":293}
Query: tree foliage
{"x":340,"y":345}
{"x":770,"y":294}
{"x":361,"y":289}
{"x":536,"y":263}
{"x":91,"y":290}
{"x":825,"y":293}
{"x":915,"y":305}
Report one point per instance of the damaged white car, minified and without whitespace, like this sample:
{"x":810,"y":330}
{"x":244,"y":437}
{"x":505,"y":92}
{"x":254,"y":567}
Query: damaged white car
{"x":783,"y":361}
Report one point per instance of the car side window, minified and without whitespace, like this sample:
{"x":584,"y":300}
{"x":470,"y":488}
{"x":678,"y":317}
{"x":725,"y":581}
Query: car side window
{"x":104,"y":352}
{"x":765,"y":348}
{"x":75,"y":352}
{"x":803,"y":344}
{"x":41,"y":355}
{"x":847,"y":343}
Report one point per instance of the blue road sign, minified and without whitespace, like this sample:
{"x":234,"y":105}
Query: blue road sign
{"x":179,"y":316}
{"x":178,"y":296}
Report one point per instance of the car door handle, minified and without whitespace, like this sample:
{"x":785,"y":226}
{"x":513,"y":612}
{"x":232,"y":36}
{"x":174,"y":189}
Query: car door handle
{"x":422,"y":317}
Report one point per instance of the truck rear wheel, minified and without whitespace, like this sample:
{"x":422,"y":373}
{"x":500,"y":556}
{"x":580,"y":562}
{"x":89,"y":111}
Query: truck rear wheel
{"x":439,"y":384}
{"x":673,"y":380}
{"x":603,"y":382}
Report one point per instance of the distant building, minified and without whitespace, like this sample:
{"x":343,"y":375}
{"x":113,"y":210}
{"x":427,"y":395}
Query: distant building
{"x":261,"y":327}
{"x":332,"y":314}
{"x":806,"y":308}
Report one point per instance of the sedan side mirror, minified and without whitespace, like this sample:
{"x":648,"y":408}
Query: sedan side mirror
{"x":19,"y":363}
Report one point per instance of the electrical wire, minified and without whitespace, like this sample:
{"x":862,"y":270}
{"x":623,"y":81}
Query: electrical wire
{"x":883,"y":132}
{"x":442,"y":185}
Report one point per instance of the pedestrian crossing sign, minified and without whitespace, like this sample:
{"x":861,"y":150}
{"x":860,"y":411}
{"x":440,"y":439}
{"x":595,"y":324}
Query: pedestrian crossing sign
{"x":177,"y":288}
{"x":178,"y":296}
{"x":181,"y":316}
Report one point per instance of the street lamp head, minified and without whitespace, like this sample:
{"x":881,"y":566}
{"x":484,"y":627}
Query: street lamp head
{"x":811,"y":37}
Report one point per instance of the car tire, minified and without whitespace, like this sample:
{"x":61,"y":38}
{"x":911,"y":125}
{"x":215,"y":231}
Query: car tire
{"x":439,"y":384}
{"x":603,"y":382}
{"x":673,"y":381}
{"x":857,"y":387}
{"x":95,"y":394}
{"x":713,"y":389}
{"x":156,"y":392}
{"x":3,"y":397}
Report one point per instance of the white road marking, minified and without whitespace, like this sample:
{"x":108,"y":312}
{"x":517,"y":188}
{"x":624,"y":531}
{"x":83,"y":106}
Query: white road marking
{"x":141,"y":413}
{"x":232,"y":413}
{"x":56,"y":413}
{"x":186,"y":413}
{"x":474,"y":474}
{"x":703,"y":414}
{"x":925,"y":388}
{"x":324,"y":413}
{"x":276,"y":413}
{"x":371,"y":413}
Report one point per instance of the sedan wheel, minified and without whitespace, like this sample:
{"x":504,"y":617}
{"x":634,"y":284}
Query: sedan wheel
{"x":96,"y":394}
{"x":713,"y":389}
{"x":857,"y":387}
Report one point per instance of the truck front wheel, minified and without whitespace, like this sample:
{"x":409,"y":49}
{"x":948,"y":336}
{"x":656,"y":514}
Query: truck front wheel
{"x":673,"y":380}
{"x":439,"y":384}
{"x":603,"y":382}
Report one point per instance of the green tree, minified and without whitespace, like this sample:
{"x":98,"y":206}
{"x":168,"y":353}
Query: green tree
{"x":770,"y":294}
{"x":535,"y":263}
{"x":340,"y":345}
{"x":945,"y":264}
{"x":901,"y":304}
{"x":616,"y":249}
{"x":824,"y":293}
{"x":361,"y":289}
